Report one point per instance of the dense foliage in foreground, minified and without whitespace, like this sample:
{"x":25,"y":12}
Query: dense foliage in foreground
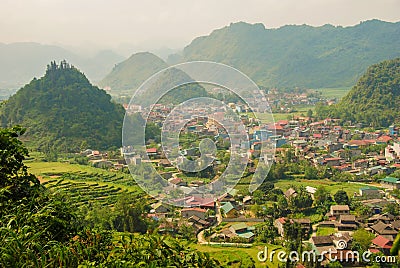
{"x":41,"y":228}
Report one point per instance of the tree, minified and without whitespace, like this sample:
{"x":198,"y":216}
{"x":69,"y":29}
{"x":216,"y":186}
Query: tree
{"x":322,"y":196}
{"x":310,"y":172}
{"x":255,"y":209}
{"x":309,"y":113}
{"x":277,"y":171}
{"x":267,"y":232}
{"x":396,"y":246}
{"x":16,"y":183}
{"x":362,"y":239}
{"x":341,"y":197}
{"x":153,"y":132}
{"x":258,"y":196}
{"x":392,"y":208}
{"x":282,"y":203}
{"x":266,"y":186}
{"x":187,"y":231}
{"x":129,"y":215}
{"x":300,"y":201}
{"x":293,"y":234}
{"x":362,"y":210}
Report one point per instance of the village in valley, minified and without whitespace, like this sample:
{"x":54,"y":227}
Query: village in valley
{"x":206,"y":134}
{"x":331,"y":187}
{"x":328,"y":183}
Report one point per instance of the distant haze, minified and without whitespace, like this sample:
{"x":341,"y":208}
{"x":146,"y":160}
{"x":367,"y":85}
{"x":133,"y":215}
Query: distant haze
{"x":123,"y":25}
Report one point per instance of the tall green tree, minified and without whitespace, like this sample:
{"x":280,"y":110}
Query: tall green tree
{"x":392,"y":208}
{"x":341,"y":197}
{"x":395,"y":250}
{"x":362,"y":239}
{"x":300,"y":201}
{"x":16,"y":183}
{"x":322,"y":195}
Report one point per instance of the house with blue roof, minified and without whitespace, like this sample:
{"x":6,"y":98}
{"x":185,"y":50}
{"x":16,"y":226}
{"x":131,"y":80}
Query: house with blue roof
{"x":228,"y":210}
{"x":370,"y":192}
{"x":391,"y":183}
{"x":242,"y":230}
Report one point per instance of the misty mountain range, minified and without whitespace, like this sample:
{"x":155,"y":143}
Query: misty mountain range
{"x":290,"y":56}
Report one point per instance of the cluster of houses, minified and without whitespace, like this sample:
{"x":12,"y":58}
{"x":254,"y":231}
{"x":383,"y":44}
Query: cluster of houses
{"x":102,"y":160}
{"x":340,"y":220}
{"x":284,"y":102}
{"x":280,"y":101}
{"x":321,"y":143}
{"x":384,"y":226}
{"x":202,"y":213}
{"x":236,"y":232}
{"x":326,"y":143}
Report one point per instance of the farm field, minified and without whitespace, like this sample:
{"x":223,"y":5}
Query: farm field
{"x":331,"y":186}
{"x":85,"y":184}
{"x":239,"y":257}
{"x":300,"y":111}
{"x":331,"y":93}
{"x":48,"y":168}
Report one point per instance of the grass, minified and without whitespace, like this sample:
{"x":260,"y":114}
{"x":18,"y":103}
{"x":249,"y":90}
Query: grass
{"x":83,"y":193}
{"x":323,"y":231}
{"x":266,"y":118}
{"x":300,"y":110}
{"x":50,"y":172}
{"x":45,"y":168}
{"x":331,"y":93}
{"x":331,"y":186}
{"x":239,"y":257}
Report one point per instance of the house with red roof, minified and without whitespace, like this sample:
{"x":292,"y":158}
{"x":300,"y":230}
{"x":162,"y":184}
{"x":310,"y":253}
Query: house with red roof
{"x":383,"y":139}
{"x":332,"y":161}
{"x":361,"y":143}
{"x":279,"y":130}
{"x":177,"y":181}
{"x":383,"y":244}
{"x":151,"y":151}
{"x":317,"y":136}
{"x":278,"y":223}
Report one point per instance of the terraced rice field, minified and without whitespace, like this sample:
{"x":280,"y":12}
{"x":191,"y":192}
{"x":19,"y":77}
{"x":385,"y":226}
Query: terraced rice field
{"x":89,"y":188}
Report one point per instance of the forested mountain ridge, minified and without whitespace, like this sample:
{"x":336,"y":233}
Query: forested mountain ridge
{"x":131,"y":73}
{"x":374,"y":100}
{"x":62,"y":110}
{"x":298,"y":55}
{"x":290,"y":56}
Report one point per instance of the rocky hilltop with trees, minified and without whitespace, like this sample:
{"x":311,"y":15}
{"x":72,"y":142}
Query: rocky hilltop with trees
{"x":63,"y":111}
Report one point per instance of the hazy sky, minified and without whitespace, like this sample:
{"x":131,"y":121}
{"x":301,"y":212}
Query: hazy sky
{"x":165,"y":23}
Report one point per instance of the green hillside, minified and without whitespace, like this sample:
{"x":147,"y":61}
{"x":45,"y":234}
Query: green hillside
{"x":167,"y":81}
{"x":374,"y":100}
{"x":62,"y":110}
{"x":298,"y":55}
{"x":128,"y":75}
